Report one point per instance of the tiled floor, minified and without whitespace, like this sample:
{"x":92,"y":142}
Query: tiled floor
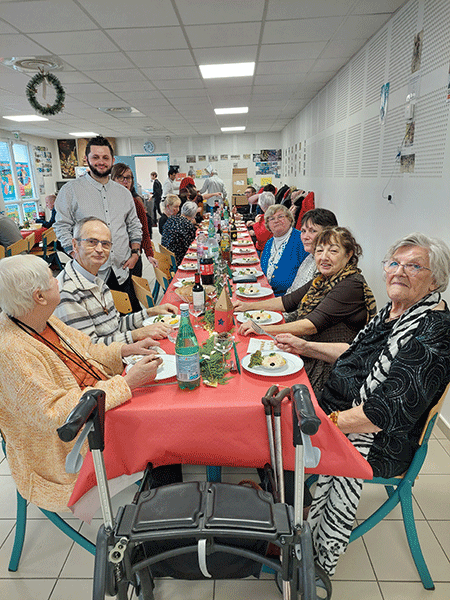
{"x":376,"y":567}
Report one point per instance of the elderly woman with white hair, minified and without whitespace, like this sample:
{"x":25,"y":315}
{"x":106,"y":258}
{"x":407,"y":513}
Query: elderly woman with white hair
{"x":44,"y":368}
{"x":382,"y":387}
{"x":260,"y":231}
{"x":180,"y":230}
{"x":284,"y":252}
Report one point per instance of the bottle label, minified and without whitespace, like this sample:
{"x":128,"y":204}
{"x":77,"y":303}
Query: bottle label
{"x":207,"y":269}
{"x":188,"y":367}
{"x":198,"y":300}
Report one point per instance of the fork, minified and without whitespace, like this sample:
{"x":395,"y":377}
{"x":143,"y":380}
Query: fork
{"x":260,"y":330}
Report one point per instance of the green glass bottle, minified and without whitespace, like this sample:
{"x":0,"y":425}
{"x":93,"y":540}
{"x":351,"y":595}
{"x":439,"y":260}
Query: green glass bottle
{"x":187,"y":353}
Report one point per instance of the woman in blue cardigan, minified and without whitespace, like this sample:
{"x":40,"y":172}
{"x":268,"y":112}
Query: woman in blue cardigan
{"x":284,"y":252}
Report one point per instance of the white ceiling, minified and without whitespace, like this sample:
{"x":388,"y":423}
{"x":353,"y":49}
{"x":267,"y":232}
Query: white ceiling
{"x":146,"y":54}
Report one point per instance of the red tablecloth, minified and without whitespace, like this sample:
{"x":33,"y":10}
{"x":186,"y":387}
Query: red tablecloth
{"x":37,"y":234}
{"x":210,"y":426}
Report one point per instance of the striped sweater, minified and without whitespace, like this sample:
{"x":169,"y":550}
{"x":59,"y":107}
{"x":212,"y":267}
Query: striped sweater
{"x":89,"y":307}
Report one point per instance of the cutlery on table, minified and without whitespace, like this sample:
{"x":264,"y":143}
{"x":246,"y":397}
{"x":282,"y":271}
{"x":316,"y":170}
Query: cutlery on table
{"x":260,"y":330}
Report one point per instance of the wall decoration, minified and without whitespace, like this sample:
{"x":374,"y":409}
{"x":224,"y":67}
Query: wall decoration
{"x":236,"y":157}
{"x":266,"y":180}
{"x":256,"y":158}
{"x":384,"y":95}
{"x":190,"y":158}
{"x":264,"y":168}
{"x":409,"y":135}
{"x":246,"y":156}
{"x":270,"y":155}
{"x":213,"y":158}
{"x":31,"y":92}
{"x":224,"y":157}
{"x":67,"y":158}
{"x":199,"y":173}
{"x":407,"y":163}
{"x":201,"y":157}
{"x":43,"y":161}
{"x":417,"y":52}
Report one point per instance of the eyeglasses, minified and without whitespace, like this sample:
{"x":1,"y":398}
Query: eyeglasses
{"x":93,"y":243}
{"x":125,"y":178}
{"x":412,"y":269}
{"x":277,"y":218}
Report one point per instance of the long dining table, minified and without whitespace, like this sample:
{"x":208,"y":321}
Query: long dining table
{"x":223,"y":425}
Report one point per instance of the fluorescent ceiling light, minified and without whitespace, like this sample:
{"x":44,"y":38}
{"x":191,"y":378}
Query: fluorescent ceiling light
{"x":231,"y":111}
{"x":86,"y":134}
{"x":26,"y":118}
{"x":241,"y":128}
{"x":228,"y":70}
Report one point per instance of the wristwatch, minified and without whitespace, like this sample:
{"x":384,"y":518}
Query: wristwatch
{"x":136,"y":251}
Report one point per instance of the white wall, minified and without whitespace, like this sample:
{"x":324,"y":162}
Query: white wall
{"x":350,"y":156}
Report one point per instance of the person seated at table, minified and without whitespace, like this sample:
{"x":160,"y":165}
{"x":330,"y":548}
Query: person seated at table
{"x":188,"y":191}
{"x":179,"y":231}
{"x":382,"y":387}
{"x":332,"y":307}
{"x":258,"y":226}
{"x":86,"y":301}
{"x":313,"y":222}
{"x":284,"y":252}
{"x":50,"y":204}
{"x":172,"y":205}
{"x":44,"y":368}
{"x":9,"y":232}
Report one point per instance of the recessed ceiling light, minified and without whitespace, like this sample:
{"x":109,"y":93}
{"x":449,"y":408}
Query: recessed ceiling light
{"x":242,"y":128}
{"x":86,"y":134}
{"x":227,"y":70}
{"x":25,"y":118}
{"x":231,"y":111}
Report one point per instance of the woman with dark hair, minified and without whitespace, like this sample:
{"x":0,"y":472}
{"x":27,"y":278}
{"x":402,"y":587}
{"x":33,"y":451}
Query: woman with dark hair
{"x":124,"y":175}
{"x":332,"y":307}
{"x":188,"y":192}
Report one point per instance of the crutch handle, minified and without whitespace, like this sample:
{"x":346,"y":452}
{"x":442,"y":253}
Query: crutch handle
{"x":266,"y":399}
{"x":276,"y":401}
{"x":90,"y":407}
{"x":308,"y":420}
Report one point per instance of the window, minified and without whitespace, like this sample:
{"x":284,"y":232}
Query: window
{"x":17,"y":181}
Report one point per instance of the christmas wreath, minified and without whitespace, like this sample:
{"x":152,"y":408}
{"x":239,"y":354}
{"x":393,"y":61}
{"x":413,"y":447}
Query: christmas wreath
{"x":31,"y":92}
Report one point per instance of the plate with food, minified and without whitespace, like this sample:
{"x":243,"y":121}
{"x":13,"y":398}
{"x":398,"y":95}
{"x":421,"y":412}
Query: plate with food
{"x":134,"y":358}
{"x":260,"y":316}
{"x":272,"y":364}
{"x":247,"y":271}
{"x":182,"y":281}
{"x":241,"y":259}
{"x":243,"y":250}
{"x":172,"y":320}
{"x":166,"y":370}
{"x":253,"y":290}
{"x":188,"y":266}
{"x":190,"y":256}
{"x":243,"y":242}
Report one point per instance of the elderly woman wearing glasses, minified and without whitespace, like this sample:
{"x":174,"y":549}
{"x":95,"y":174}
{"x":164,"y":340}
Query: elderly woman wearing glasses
{"x":284,"y":252}
{"x":86,"y":301}
{"x":382,"y":387}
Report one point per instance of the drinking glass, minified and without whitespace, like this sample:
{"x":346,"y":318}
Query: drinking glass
{"x":223,"y":343}
{"x":195,"y":312}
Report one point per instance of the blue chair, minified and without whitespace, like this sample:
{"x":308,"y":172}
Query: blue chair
{"x":21,"y":522}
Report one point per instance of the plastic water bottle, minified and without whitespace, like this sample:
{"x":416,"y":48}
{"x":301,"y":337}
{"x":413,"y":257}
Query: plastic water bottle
{"x":187,"y":353}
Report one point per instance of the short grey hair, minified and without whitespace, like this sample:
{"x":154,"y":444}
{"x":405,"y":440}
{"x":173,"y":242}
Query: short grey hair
{"x":78,"y":228}
{"x":265,"y":200}
{"x":438,"y":251}
{"x":275,"y":209}
{"x":20,"y":277}
{"x":189,"y":209}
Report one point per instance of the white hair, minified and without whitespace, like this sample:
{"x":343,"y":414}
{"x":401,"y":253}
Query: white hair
{"x":20,"y":277}
{"x":189,"y":209}
{"x":265,"y":200}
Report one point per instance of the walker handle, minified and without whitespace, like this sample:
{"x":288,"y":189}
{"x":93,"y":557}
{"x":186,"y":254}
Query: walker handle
{"x":90,"y":407}
{"x":308,"y":420}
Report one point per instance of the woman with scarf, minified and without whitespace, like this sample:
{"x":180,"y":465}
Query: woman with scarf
{"x":332,"y":307}
{"x":284,"y":252}
{"x":383,"y":386}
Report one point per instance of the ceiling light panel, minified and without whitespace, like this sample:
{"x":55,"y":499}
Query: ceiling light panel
{"x":25,"y":118}
{"x":227,"y":70}
{"x":240,"y":128}
{"x":237,"y":110}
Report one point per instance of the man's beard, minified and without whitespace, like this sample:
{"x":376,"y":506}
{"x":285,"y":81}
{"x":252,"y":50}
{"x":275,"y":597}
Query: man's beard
{"x":94,"y":171}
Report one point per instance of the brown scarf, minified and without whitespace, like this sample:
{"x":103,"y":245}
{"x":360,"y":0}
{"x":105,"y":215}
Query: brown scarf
{"x":321,"y":286}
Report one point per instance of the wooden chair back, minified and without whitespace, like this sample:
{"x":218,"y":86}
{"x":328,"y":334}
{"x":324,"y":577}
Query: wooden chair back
{"x":19,"y":247}
{"x":2,"y":251}
{"x":49,"y":236}
{"x":122,"y":302}
{"x":161,"y":279}
{"x":31,"y":240}
{"x":170,"y":254}
{"x":164,"y":264}
{"x":142,"y":291}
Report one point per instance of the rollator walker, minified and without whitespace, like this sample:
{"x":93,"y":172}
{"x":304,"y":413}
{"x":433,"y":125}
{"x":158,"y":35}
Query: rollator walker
{"x":203,"y":530}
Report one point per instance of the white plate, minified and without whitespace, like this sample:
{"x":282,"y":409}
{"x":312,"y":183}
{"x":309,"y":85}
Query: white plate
{"x":179,"y":282}
{"x":293,"y":364}
{"x":153,"y":320}
{"x":190,"y":266}
{"x":245,"y":260}
{"x":261,"y":294}
{"x":134,"y":358}
{"x":242,"y":250}
{"x":274,"y":316}
{"x":190,"y":256}
{"x":241,"y":271}
{"x":243,"y":242}
{"x":165,"y":371}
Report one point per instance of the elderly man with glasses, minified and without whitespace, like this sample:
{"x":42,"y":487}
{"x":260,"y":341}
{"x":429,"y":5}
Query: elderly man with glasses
{"x":86,"y":301}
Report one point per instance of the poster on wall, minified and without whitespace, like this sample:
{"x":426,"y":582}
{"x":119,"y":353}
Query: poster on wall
{"x":24,"y":177}
{"x":270,"y":155}
{"x":224,"y":157}
{"x":448,"y":84}
{"x":213,"y":158}
{"x":67,"y":158}
{"x":407,"y":163}
{"x":190,"y":158}
{"x":263,"y":168}
{"x":7,"y":181}
{"x":43,"y":161}
{"x":246,"y":156}
{"x":237,"y":157}
{"x":201,"y":157}
{"x":266,"y":180}
{"x":409,"y":135}
{"x":417,"y":52}
{"x":384,"y":95}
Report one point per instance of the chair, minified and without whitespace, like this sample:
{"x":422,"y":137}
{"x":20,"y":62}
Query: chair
{"x":2,"y":251}
{"x":161,"y":282}
{"x":31,"y":240}
{"x":171,"y":255}
{"x":399,"y":490}
{"x":19,"y":247}
{"x":165,"y":264}
{"x":49,"y":249}
{"x":21,"y":522}
{"x":142,"y":291}
{"x":122,"y":302}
